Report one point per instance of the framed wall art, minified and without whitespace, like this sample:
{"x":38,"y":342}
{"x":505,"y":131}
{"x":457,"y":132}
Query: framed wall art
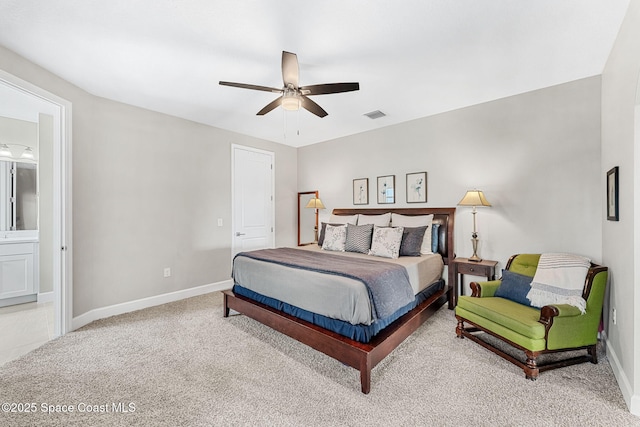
{"x":386,"y":189}
{"x":612,"y":194}
{"x":417,"y":187}
{"x":361,"y":191}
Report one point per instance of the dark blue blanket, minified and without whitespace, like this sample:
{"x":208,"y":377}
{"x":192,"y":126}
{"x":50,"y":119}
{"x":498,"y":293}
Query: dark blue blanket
{"x":387,"y":283}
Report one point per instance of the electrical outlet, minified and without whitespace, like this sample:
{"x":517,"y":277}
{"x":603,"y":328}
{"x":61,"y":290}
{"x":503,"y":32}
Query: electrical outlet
{"x":219,"y":222}
{"x":614,"y":317}
{"x":167,"y":272}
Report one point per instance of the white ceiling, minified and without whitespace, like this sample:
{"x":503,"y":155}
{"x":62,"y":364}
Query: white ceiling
{"x":412,"y":58}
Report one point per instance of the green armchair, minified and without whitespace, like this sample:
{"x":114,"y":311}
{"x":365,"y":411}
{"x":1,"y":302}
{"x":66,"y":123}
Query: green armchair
{"x":536,"y":331}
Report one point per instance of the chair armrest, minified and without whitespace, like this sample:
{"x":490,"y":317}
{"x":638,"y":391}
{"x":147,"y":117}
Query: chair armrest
{"x":566,"y":327}
{"x":549,"y":312}
{"x":484,"y":289}
{"x":564,"y":310}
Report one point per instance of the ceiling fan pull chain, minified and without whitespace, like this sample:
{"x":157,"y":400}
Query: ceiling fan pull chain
{"x":284,"y":123}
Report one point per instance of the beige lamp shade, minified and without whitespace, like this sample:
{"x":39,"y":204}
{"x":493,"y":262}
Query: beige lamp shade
{"x":315,"y":203}
{"x":474,"y":198}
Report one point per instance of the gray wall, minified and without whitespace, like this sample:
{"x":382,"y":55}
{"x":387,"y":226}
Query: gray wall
{"x":147,"y":191}
{"x":536,"y":156}
{"x":621,"y":240}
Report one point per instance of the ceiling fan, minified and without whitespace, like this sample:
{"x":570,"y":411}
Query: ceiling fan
{"x":294,"y":96}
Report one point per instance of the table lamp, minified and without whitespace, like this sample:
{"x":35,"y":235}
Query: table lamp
{"x":474,"y":198}
{"x":315,"y":203}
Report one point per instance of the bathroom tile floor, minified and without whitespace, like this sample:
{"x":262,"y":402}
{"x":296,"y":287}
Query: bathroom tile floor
{"x":23,"y":328}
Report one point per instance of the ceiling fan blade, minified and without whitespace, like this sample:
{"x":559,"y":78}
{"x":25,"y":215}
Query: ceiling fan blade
{"x":270,"y":106}
{"x":290,"y":69}
{"x":311,"y":106}
{"x":327,"y":88}
{"x":253,"y":87}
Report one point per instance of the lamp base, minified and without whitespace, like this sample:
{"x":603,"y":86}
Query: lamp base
{"x":474,"y":243}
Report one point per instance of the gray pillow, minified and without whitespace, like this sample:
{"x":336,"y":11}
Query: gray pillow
{"x":412,"y":238}
{"x":359,"y":238}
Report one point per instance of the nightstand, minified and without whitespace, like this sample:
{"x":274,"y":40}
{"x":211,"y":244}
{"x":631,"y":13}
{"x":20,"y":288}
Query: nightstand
{"x":461,"y":266}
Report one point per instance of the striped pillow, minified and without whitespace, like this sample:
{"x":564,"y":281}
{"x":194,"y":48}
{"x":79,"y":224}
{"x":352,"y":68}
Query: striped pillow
{"x":359,"y":238}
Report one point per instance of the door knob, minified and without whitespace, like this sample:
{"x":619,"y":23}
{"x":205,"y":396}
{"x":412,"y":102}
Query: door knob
{"x":239,"y":234}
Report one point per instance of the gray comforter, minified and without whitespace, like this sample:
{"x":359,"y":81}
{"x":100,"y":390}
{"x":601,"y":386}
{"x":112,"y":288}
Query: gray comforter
{"x":387,"y":284}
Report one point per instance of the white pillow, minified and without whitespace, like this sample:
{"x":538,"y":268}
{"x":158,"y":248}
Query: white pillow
{"x":335,"y":238}
{"x":380,"y":220}
{"x":386,"y":241}
{"x":416,"y":221}
{"x":344,"y":219}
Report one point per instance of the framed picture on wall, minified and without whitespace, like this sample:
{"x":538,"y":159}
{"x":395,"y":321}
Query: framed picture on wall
{"x":361,"y":191}
{"x":386,"y":189}
{"x":417,"y":187}
{"x":612,"y":194}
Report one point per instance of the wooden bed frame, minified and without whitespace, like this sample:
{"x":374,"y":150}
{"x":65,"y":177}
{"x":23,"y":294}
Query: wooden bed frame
{"x":361,"y":356}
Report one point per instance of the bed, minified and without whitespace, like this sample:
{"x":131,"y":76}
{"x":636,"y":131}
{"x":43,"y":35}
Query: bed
{"x":265,"y":290}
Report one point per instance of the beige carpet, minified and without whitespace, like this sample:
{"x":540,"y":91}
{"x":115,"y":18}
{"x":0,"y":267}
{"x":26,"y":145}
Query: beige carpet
{"x":183,"y":364}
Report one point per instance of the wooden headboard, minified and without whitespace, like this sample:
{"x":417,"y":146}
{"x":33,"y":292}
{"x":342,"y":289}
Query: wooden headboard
{"x":442,"y":216}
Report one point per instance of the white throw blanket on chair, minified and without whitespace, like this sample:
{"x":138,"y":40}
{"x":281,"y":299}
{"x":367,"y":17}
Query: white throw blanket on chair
{"x":559,"y":279}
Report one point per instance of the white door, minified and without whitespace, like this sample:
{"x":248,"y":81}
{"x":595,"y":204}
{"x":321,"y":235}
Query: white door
{"x":253,"y":205}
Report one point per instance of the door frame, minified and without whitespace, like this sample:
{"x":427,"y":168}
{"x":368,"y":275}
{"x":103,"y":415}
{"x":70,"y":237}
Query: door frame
{"x":235,"y":147}
{"x":62,"y":203}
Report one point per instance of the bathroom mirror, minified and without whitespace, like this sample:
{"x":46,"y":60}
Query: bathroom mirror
{"x":307,"y":219}
{"x":18,"y":174}
{"x":18,"y":196}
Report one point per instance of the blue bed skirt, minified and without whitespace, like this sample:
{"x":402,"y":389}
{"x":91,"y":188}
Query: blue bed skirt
{"x":361,"y":333}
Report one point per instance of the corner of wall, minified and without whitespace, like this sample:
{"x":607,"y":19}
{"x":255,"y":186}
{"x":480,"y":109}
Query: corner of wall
{"x":624,"y":382}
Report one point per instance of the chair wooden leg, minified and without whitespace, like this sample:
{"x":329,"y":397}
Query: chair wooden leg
{"x":592,"y":350}
{"x":459,"y":328}
{"x":531,"y":370}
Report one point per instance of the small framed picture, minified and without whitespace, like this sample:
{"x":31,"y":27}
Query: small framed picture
{"x":361,"y":191}
{"x":612,"y":195}
{"x":417,"y":187}
{"x":386,"y":189}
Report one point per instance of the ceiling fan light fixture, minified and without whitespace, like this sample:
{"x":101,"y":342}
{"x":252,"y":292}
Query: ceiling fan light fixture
{"x":291,"y":102}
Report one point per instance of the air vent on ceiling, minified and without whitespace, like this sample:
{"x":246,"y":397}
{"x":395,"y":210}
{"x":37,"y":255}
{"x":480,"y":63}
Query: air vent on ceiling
{"x":375,"y":114}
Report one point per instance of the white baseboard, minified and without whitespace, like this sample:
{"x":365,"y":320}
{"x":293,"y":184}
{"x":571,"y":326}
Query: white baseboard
{"x":45,"y":296}
{"x":126,"y":307}
{"x":635,"y":405}
{"x":632,"y":400}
